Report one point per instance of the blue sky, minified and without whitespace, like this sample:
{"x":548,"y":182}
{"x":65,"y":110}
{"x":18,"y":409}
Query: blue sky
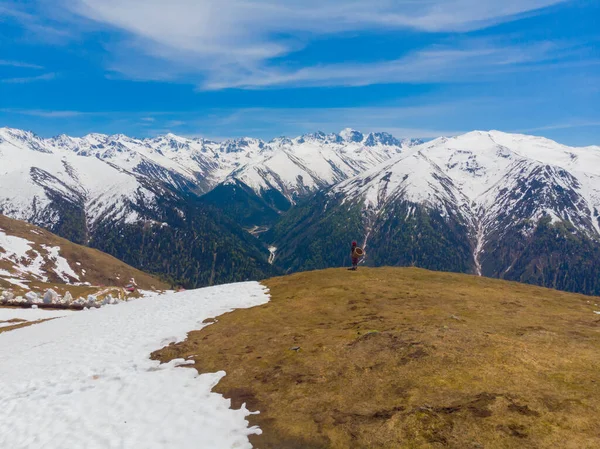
{"x":264,"y":68}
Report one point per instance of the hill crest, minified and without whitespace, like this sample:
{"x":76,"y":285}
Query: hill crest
{"x":32,"y":257}
{"x":404,"y":358}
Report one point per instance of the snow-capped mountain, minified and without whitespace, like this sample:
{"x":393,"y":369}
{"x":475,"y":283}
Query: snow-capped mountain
{"x":40,"y":178}
{"x":490,"y":203}
{"x":488,"y":178}
{"x":295,"y":167}
{"x":470,"y":203}
{"x":192,"y":164}
{"x":106,"y":177}
{"x":131,"y":202}
{"x":104,"y":172}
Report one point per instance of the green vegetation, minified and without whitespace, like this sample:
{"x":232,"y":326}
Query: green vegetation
{"x":408,"y":234}
{"x":185,"y":241}
{"x":316,"y":234}
{"x":313,"y":236}
{"x":554,"y":256}
{"x":189,"y":244}
{"x":239,"y":203}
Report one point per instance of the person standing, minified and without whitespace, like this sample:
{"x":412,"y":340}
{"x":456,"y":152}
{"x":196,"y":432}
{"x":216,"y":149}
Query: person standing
{"x":355,"y":257}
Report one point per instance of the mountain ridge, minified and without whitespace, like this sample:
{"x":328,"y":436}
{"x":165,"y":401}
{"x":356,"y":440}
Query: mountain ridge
{"x":488,"y":203}
{"x":201,"y":164}
{"x":473,"y":203}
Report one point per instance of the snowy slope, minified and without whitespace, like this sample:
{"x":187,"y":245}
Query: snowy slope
{"x":34,"y":174}
{"x":498,"y":185}
{"x":105,"y":175}
{"x":30,"y":255}
{"x":86,"y":380}
{"x":25,"y":262}
{"x":315,"y":161}
{"x":486,"y":174}
{"x":8,"y":314}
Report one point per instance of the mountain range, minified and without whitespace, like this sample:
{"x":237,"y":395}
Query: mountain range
{"x":199,"y":212}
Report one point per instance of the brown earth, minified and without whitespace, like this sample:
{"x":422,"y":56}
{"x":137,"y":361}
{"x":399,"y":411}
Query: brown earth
{"x":407,"y":358}
{"x":18,"y":324}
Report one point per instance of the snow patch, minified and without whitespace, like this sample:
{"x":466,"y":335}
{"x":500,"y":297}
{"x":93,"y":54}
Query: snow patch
{"x":87,"y":379}
{"x":272,"y":251}
{"x":22,"y":256}
{"x":7,"y":314}
{"x":62,"y":267}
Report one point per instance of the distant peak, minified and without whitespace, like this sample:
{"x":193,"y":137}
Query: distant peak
{"x":317,"y":135}
{"x":62,"y":139}
{"x":120,"y":137}
{"x":351,"y":135}
{"x":18,"y":132}
{"x":95,"y":136}
{"x":381,"y":139}
{"x":281,"y":140}
{"x":475,"y":132}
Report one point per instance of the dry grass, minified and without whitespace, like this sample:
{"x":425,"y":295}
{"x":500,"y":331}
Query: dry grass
{"x":407,"y":358}
{"x":18,"y":324}
{"x":100,"y":268}
{"x":76,"y":290}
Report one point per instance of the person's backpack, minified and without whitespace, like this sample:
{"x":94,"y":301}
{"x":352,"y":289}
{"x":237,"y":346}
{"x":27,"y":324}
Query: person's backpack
{"x":358,"y":252}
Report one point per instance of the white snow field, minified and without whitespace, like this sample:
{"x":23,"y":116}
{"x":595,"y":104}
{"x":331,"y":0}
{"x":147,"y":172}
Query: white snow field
{"x":7,"y":314}
{"x":86,"y":381}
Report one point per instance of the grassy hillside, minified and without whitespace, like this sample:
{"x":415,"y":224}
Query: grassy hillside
{"x":91,"y":266}
{"x":407,"y":358}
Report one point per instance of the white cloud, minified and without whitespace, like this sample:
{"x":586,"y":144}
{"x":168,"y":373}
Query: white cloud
{"x":436,"y":64}
{"x":29,"y":79}
{"x":19,"y":64}
{"x":228,"y":43}
{"x":565,"y":125}
{"x":40,"y":25}
{"x":44,"y":113}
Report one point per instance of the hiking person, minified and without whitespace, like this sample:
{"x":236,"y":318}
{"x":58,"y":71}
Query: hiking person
{"x":356,"y":253}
